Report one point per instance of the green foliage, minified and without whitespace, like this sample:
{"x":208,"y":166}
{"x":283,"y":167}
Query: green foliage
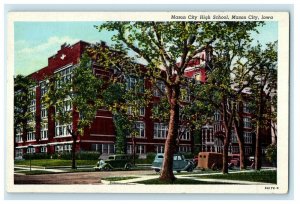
{"x":23,"y":94}
{"x":167,"y":48}
{"x":119,"y":178}
{"x":271,"y":153}
{"x":36,"y":156}
{"x":53,"y":162}
{"x":149,"y":159}
{"x":254,"y":176}
{"x":264,"y":88}
{"x":123,"y":128}
{"x":83,"y":91}
{"x":82,"y":155}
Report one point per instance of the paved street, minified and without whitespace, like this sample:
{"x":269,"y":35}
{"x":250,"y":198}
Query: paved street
{"x":75,"y":178}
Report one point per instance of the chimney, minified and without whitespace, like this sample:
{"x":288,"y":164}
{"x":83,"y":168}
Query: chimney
{"x":63,"y":45}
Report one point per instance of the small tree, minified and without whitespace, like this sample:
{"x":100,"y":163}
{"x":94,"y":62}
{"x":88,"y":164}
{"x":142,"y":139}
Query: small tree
{"x":78,"y":96}
{"x":24,"y":118}
{"x":271,"y":154}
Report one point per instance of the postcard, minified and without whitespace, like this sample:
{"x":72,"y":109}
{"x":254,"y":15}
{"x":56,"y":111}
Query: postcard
{"x":148,"y":102}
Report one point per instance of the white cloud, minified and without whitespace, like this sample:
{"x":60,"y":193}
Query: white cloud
{"x":29,"y":58}
{"x":52,"y":43}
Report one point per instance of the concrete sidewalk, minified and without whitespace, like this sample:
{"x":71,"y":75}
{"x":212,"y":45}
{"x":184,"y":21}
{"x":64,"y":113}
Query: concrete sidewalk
{"x":192,"y":177}
{"x":36,"y":168}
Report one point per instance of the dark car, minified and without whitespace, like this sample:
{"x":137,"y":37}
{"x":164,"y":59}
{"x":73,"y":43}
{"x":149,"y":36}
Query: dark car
{"x":118,"y":161}
{"x":179,"y":163}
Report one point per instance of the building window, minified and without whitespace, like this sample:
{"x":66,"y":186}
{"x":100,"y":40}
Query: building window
{"x":19,"y":152}
{"x":104,"y":148}
{"x":246,"y":108}
{"x":159,"y":148}
{"x":160,"y":130}
{"x":64,"y":106}
{"x":30,"y":150}
{"x":159,"y":89}
{"x":140,"y":128}
{"x":64,"y":76}
{"x":63,"y":148}
{"x":44,"y":131}
{"x":19,"y":134}
{"x":248,"y":137}
{"x":43,"y":149}
{"x":207,"y":135}
{"x":43,"y":88}
{"x":184,"y":148}
{"x":44,"y":112}
{"x":32,"y":106}
{"x":217,"y":116}
{"x":235,"y":150}
{"x":139,"y":149}
{"x":135,"y":83}
{"x":61,"y":129}
{"x":248,"y":150}
{"x":131,"y":111}
{"x":233,"y":136}
{"x":186,"y":135}
{"x":247,"y":122}
{"x":30,"y":136}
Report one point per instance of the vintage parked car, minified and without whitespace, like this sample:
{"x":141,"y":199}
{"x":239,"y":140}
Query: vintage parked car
{"x":179,"y":163}
{"x":234,"y":159}
{"x":118,"y":161}
{"x":210,"y":160}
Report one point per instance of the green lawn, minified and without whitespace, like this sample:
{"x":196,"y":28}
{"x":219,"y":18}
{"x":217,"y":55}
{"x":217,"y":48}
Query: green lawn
{"x":177,"y":181}
{"x":255,"y":176}
{"x":118,"y":178}
{"x":54,"y":162}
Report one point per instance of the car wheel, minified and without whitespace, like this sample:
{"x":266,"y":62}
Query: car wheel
{"x":157,"y":170}
{"x":190,"y":169}
{"x":106,"y":168}
{"x":178,"y":171}
{"x":128,"y":166}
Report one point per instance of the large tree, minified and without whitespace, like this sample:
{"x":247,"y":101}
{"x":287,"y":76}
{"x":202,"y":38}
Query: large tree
{"x":167,"y":49}
{"x":78,"y":95}
{"x":264,"y":89}
{"x":229,"y":79}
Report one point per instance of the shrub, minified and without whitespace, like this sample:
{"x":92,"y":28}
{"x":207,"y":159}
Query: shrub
{"x":28,"y":156}
{"x":64,"y":155}
{"x":188,"y":155}
{"x":149,"y":159}
{"x":271,"y":153}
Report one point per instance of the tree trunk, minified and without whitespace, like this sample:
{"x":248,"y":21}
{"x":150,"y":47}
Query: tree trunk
{"x":170,"y":144}
{"x":258,"y":131}
{"x":258,"y":147}
{"x":240,"y":138}
{"x":225,"y":152}
{"x":239,"y":131}
{"x":74,"y":137}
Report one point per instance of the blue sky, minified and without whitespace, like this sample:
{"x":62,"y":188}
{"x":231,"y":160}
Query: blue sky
{"x":34,"y":42}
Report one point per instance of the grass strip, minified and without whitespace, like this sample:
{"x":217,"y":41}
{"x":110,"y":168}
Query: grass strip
{"x":254,"y":176}
{"x":119,"y":178}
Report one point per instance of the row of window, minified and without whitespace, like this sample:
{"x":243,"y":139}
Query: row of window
{"x":236,"y":150}
{"x":63,"y":148}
